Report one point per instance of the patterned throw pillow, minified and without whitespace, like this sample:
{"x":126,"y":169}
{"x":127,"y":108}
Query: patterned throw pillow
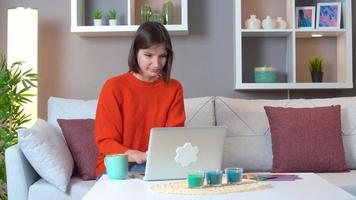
{"x":45,"y":149}
{"x":306,"y":139}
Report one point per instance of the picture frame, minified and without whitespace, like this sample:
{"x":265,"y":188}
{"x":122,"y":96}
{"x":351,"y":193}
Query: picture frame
{"x":328,"y":15}
{"x":305,"y":17}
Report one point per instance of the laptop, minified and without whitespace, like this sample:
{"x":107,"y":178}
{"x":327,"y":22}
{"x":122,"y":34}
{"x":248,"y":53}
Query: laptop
{"x":174,"y":152}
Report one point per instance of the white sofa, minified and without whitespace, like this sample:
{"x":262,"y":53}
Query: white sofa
{"x":247,"y":145}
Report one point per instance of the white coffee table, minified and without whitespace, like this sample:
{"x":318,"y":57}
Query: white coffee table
{"x":310,"y":187}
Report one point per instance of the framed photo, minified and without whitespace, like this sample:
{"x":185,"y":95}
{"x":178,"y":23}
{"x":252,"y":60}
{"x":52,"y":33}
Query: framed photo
{"x":328,"y":15}
{"x":305,"y":17}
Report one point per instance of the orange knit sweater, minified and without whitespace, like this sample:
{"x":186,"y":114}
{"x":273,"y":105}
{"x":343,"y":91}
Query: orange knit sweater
{"x":127,"y":110}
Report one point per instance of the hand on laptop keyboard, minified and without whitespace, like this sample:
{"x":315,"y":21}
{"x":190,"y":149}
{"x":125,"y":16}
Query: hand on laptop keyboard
{"x":136,"y":156}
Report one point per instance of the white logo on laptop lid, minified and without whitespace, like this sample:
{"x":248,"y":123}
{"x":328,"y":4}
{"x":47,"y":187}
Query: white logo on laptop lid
{"x":186,"y":154}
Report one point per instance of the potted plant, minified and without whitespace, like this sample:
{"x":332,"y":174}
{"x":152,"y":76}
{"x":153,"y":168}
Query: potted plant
{"x":112,"y":16}
{"x":15,"y":85}
{"x":97,"y":17}
{"x":316,"y":66}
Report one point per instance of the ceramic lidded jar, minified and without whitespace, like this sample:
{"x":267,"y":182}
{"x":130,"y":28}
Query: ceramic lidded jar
{"x":280,"y":23}
{"x":268,"y":23}
{"x":253,"y":22}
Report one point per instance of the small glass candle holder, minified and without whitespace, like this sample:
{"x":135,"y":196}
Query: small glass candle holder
{"x":214,"y":178}
{"x":196,"y":179}
{"x":234,"y":175}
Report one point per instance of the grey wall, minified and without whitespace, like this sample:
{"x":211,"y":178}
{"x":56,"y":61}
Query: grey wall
{"x":75,"y":67}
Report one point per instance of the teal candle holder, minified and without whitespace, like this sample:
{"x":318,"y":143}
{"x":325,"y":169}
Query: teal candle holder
{"x":214,"y":178}
{"x":233,"y":175}
{"x":265,"y":74}
{"x":196,"y":179}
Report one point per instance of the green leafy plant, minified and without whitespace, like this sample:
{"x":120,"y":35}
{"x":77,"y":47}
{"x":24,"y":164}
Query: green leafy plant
{"x":98,"y":14}
{"x":112,"y":14}
{"x":316,"y":64}
{"x":15,"y":86}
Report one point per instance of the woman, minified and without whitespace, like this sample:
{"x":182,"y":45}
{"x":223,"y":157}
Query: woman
{"x":145,"y":97}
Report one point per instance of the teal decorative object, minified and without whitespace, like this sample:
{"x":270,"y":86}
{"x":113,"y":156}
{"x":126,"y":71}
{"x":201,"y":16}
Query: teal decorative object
{"x":156,"y":17}
{"x":265,"y":74}
{"x":196,"y":179}
{"x":145,"y":13}
{"x":167,"y":11}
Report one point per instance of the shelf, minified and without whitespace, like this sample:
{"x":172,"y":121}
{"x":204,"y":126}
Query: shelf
{"x":125,"y":30}
{"x":319,"y":33}
{"x":266,"y":32}
{"x":81,"y":19}
{"x":289,"y":50}
{"x":296,"y":86}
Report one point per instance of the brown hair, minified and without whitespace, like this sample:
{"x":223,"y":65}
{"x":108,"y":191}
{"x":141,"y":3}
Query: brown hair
{"x":148,"y":34}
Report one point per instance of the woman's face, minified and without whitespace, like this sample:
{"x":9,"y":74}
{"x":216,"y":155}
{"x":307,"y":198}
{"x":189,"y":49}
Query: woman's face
{"x":151,"y":61}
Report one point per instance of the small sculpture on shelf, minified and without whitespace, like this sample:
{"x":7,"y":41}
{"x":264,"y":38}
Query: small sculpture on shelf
{"x":112,"y":17}
{"x":156,"y":17}
{"x":97,"y":17}
{"x":316,"y":66}
{"x":165,"y":16}
{"x":268,"y":23}
{"x":167,"y":12}
{"x":253,"y":22}
{"x":145,"y":12}
{"x":280,"y":23}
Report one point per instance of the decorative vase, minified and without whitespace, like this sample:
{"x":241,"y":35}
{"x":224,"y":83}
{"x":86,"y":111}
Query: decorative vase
{"x":145,"y":13}
{"x":317,"y":77}
{"x":112,"y":22}
{"x":280,"y":23}
{"x":253,"y":22}
{"x":156,"y":17}
{"x":266,"y":74}
{"x":268,"y":23}
{"x":167,"y":12}
{"x":97,"y":22}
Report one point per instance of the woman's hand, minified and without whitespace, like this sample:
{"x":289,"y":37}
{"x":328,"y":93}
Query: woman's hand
{"x":138,"y":157}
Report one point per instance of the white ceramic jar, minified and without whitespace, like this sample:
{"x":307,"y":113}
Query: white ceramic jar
{"x":280,"y":23}
{"x":268,"y":23}
{"x":253,"y":22}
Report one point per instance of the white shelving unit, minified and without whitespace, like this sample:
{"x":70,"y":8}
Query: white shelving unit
{"x":289,"y":49}
{"x":129,"y":10}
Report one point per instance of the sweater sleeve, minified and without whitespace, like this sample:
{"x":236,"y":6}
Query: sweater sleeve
{"x":176,"y":114}
{"x":108,"y":122}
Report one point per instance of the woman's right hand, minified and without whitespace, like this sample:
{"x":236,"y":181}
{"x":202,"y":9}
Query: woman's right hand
{"x":138,"y":157}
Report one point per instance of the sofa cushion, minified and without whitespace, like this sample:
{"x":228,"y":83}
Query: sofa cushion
{"x":306,"y":139}
{"x":254,"y":140}
{"x":199,"y":111}
{"x":79,"y":134}
{"x":61,"y":108}
{"x":48,"y":153}
{"x":42,"y":190}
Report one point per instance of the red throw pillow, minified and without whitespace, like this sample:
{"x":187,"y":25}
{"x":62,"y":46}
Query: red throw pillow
{"x":306,"y":139}
{"x":79,"y":135}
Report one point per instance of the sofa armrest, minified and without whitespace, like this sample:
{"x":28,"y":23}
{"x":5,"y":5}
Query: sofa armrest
{"x":19,"y":172}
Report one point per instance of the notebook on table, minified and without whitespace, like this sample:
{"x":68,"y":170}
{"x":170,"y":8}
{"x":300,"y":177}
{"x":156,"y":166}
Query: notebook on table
{"x":174,"y":152}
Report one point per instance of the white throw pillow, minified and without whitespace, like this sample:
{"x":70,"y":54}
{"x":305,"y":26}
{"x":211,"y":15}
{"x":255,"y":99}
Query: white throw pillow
{"x":47,"y":152}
